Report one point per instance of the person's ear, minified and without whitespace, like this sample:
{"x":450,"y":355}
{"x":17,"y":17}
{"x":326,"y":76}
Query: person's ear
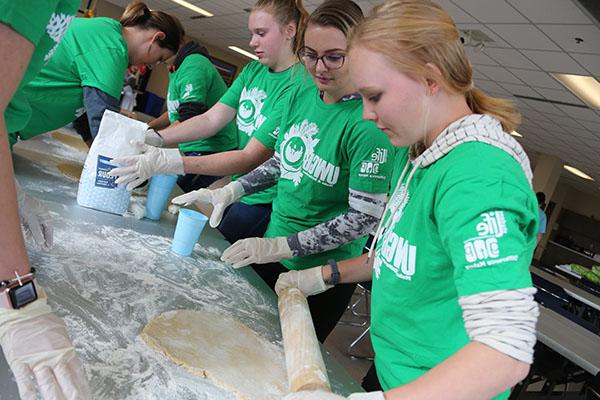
{"x":290,"y":31}
{"x":159,"y":36}
{"x":433,"y":85}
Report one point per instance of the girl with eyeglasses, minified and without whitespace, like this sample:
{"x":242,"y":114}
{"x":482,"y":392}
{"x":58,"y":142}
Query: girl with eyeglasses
{"x":252,"y":99}
{"x":331,"y":171}
{"x":84,"y":73}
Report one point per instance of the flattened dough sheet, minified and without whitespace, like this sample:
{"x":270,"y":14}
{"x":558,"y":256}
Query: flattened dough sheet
{"x":222,"y":349}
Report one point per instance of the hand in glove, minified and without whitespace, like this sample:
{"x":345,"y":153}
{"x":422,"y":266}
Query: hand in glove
{"x":220,"y":199}
{"x":40,"y":354}
{"x":153,"y":138}
{"x":136,"y":169}
{"x":320,"y":395}
{"x":35,"y":219}
{"x":257,"y":251}
{"x":309,"y":281}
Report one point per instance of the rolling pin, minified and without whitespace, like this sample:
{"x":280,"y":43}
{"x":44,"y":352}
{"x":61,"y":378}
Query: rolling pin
{"x":304,"y":362}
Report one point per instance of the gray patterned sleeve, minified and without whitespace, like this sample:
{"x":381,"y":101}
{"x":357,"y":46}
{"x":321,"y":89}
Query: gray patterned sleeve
{"x":263,"y":177}
{"x":365,"y":210}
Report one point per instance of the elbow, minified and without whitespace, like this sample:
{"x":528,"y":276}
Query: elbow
{"x":519,"y":372}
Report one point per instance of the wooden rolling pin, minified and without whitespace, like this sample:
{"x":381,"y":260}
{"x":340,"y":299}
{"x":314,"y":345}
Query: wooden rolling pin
{"x":304,"y":362}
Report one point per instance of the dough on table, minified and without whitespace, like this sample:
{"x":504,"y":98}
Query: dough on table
{"x":71,"y":140}
{"x":222,"y":349}
{"x":71,"y":170}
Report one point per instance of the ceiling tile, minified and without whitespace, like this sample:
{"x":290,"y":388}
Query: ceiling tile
{"x":457,"y":14}
{"x":564,"y":36}
{"x":591,"y":62}
{"x":498,"y":74}
{"x":550,"y":11}
{"x":479,"y":57}
{"x":560,"y":95}
{"x":581,"y":114}
{"x":536,"y":78}
{"x":498,"y":41}
{"x":544,"y":107}
{"x":552,"y":61}
{"x":509,"y":58}
{"x":490,"y":11}
{"x":523,"y":36}
{"x":522,"y":90}
{"x":490,"y":86}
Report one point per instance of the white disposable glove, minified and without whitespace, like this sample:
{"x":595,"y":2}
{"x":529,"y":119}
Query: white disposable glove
{"x":220,"y":199}
{"x":35,"y":219}
{"x":40,"y":354}
{"x":309,"y":281}
{"x":257,"y":251}
{"x":153,"y":138}
{"x":320,"y":395}
{"x":137,"y":169}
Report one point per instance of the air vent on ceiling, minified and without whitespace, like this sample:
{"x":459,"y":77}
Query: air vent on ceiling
{"x":564,"y":103}
{"x":248,"y":9}
{"x":198,"y":17}
{"x":474,"y":38}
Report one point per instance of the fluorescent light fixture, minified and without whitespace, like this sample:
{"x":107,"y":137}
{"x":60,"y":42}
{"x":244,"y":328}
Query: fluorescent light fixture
{"x":516,"y":134}
{"x":577,"y":172}
{"x":244,"y":52}
{"x":192,"y":7}
{"x":587,"y":88}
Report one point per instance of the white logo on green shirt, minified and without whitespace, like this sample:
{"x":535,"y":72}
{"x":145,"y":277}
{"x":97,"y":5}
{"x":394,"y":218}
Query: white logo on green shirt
{"x":370,"y":168}
{"x":188,"y":90}
{"x":398,"y":255}
{"x":483,"y":250}
{"x":56,"y":28}
{"x":298,"y":156}
{"x":249,"y":117}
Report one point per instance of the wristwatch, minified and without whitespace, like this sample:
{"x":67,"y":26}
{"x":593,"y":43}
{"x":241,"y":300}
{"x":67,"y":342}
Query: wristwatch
{"x":18,"y":292}
{"x":335,"y":272}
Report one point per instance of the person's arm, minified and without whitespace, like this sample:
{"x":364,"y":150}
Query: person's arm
{"x":96,"y":102}
{"x":161,"y":122}
{"x":364,"y":212}
{"x":263,"y":177}
{"x":15,"y":52}
{"x":229,"y":162}
{"x":199,"y":127}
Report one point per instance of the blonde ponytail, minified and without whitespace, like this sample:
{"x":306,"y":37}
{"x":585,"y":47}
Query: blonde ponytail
{"x":413,"y":33}
{"x":285,"y":12}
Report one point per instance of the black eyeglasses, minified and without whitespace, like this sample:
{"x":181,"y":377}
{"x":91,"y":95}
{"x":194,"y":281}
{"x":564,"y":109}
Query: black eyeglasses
{"x":331,"y":61}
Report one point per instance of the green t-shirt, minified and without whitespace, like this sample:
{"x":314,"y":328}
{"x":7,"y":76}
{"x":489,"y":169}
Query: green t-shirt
{"x":197,"y":80}
{"x":255,"y":94}
{"x":43,"y":23}
{"x":92,"y":53}
{"x":469,"y":226}
{"x":325,"y":150}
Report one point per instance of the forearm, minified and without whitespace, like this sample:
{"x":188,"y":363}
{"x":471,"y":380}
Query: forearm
{"x":352,"y":270}
{"x":160,"y":122}
{"x":262,"y":177}
{"x":229,"y":162}
{"x":465,"y":376}
{"x":199,"y":127}
{"x":14,"y":255}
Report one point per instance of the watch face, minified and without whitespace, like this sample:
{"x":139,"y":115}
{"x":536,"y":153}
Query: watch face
{"x":22,"y":295}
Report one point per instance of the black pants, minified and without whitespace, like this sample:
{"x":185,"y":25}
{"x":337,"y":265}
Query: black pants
{"x":326,"y":308}
{"x":370,"y":381}
{"x":241,"y":221}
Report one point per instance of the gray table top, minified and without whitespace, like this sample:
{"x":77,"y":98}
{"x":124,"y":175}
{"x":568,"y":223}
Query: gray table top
{"x":574,"y":291}
{"x":108,"y":275}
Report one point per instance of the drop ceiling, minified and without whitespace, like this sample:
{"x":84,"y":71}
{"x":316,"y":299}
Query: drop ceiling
{"x":531,"y":39}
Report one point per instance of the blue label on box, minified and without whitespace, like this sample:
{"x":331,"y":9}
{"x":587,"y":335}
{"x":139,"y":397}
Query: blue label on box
{"x":102,"y":169}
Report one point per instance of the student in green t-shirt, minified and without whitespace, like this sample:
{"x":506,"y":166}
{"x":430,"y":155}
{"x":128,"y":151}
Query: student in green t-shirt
{"x":252,"y":101}
{"x":194,"y":87}
{"x":331,"y":171}
{"x":452,"y":308}
{"x":34,"y":340}
{"x":86,"y":71}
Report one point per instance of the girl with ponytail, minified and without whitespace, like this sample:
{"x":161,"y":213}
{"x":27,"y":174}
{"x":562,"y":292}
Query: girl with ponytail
{"x":253,"y":102}
{"x":85,"y":73}
{"x":452,"y":299}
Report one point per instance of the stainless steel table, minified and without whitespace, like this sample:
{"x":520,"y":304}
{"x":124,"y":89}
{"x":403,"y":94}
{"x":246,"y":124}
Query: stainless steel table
{"x":108,"y":275}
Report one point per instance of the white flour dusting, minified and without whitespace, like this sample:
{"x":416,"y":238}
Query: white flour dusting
{"x":108,"y":282}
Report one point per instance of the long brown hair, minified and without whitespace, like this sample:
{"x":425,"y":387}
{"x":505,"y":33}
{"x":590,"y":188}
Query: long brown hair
{"x":285,"y":12}
{"x":343,"y":15}
{"x":140,"y":16}
{"x":413,"y":33}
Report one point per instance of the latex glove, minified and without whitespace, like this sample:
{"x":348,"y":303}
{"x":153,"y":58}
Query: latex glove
{"x":257,"y":251}
{"x":320,"y":395}
{"x":35,"y":219}
{"x":137,"y":169}
{"x":153,"y":138}
{"x":220,"y":199}
{"x":40,"y":354}
{"x":309,"y":281}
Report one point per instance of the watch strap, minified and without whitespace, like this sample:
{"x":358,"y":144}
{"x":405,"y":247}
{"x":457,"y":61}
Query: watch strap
{"x":335,"y":272}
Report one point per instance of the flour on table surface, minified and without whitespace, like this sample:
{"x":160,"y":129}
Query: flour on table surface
{"x":108,"y":282}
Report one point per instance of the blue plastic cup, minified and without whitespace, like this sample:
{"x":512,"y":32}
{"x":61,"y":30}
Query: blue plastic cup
{"x":187,"y":232}
{"x":159,"y":191}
